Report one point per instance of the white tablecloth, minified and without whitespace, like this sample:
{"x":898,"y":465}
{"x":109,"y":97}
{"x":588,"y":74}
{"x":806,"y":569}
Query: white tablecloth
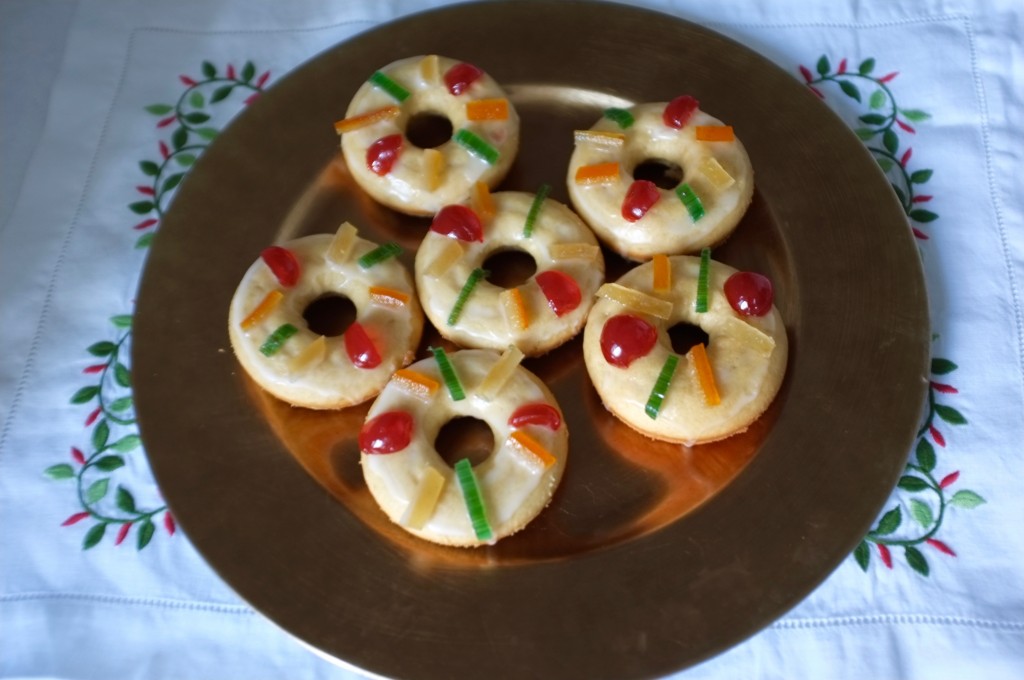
{"x":97,"y":582}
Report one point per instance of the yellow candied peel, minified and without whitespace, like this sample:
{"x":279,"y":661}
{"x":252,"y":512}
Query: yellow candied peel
{"x":636,"y":301}
{"x":341,"y":246}
{"x":433,"y":168}
{"x":713,"y":171}
{"x":749,"y":336}
{"x":269,"y":303}
{"x":574,"y":251}
{"x":422,"y":506}
{"x":599,"y":137}
{"x":430,"y":68}
{"x":499,"y":374}
{"x":481,"y":201}
{"x":450,"y":253}
{"x":310,"y":356}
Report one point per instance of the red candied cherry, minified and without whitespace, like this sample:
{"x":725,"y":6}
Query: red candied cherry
{"x":283,"y":265}
{"x":640,"y":197}
{"x":544,"y":415}
{"x":562,"y":292}
{"x":459,"y":77}
{"x":749,"y":293}
{"x":458,"y":221}
{"x":360,"y":348}
{"x":626,"y":338}
{"x":387,"y":433}
{"x":678,"y":111}
{"x":382,"y":154}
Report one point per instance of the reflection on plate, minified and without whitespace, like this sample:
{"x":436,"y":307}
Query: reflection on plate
{"x":651,"y":556}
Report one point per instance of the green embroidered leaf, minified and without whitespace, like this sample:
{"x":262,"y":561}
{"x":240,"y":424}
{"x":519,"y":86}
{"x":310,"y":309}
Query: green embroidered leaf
{"x":248,"y":71}
{"x":207,"y":132}
{"x":209,"y":70}
{"x":921,"y":176}
{"x":85,"y":394}
{"x":890,"y":522}
{"x":862,"y":553}
{"x":885,"y":164}
{"x":865,"y":133}
{"x":97,"y":490}
{"x":122,"y":404}
{"x":912,"y":483}
{"x":921,"y":512}
{"x":197,"y":100}
{"x":172,"y":181}
{"x":890,"y":141}
{"x":141,"y":207}
{"x":109,"y":463}
{"x":145,"y":534}
{"x":950,"y":414}
{"x":196,"y":118}
{"x":60,"y":471}
{"x":915,"y":115}
{"x":122,"y":320}
{"x":144,"y":240}
{"x":899,"y":194}
{"x":966,"y":499}
{"x":873,"y":119}
{"x":823,"y":65}
{"x":125,"y":500}
{"x":102,"y":349}
{"x":221,"y":93}
{"x":943,"y":366}
{"x":149,"y":168}
{"x":866,"y":66}
{"x":122,"y":376}
{"x":159,"y":109}
{"x":920,"y":215}
{"x":94,"y":536}
{"x":925,"y":454}
{"x":849,"y":89}
{"x":179,"y":138}
{"x":877,"y":99}
{"x":127,"y":443}
{"x":916,"y":560}
{"x":101,"y":434}
{"x":185,"y":159}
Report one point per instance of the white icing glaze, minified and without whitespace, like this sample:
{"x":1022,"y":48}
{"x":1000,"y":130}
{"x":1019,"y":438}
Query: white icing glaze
{"x":481,"y":322}
{"x":667,"y":228}
{"x":513,"y":490}
{"x":334,"y":382}
{"x":405,"y":187}
{"x":747,"y":379}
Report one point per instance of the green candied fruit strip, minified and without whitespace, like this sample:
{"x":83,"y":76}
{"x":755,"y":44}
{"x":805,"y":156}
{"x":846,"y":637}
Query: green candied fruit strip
{"x":467,"y":290}
{"x":474,"y":501}
{"x":379,"y":254}
{"x":538,"y":201}
{"x":389,"y":86}
{"x":702,"y":280}
{"x":661,"y":386}
{"x":621,"y":117}
{"x":276,"y":340}
{"x":691,"y":201}
{"x":451,"y":381}
{"x":474,"y":144}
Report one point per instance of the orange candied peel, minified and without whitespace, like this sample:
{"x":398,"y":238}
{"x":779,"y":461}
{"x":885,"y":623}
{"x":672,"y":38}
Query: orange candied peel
{"x":531,"y":446}
{"x":487,"y":109}
{"x":388,"y":296}
{"x":662,"y":274}
{"x":482,"y":202}
{"x":265,"y":307}
{"x":715,"y":133}
{"x":702,"y":365}
{"x":599,"y":173}
{"x":514,"y":307}
{"x":365,"y":119}
{"x":419,"y":385}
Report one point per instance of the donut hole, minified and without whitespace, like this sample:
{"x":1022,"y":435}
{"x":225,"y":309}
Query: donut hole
{"x":684,"y":335}
{"x":510,"y":268}
{"x":465,"y":437}
{"x":330,"y":315}
{"x":664,"y":174}
{"x":428,"y":130}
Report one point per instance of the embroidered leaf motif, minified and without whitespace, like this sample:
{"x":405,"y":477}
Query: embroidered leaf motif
{"x":109,"y":463}
{"x":921,"y":512}
{"x":866,"y":66}
{"x":890,"y":522}
{"x":862,"y":553}
{"x":159,"y":109}
{"x":124,"y":499}
{"x":911,"y":483}
{"x":85,"y":395}
{"x":94,"y":536}
{"x":915,"y":115}
{"x":127,"y":443}
{"x":923,"y":216}
{"x":877,"y":100}
{"x":966,"y":499}
{"x":925,"y":454}
{"x":221,"y":93}
{"x":916,"y":560}
{"x":149,"y":168}
{"x":145,"y":534}
{"x":141,"y":207}
{"x":943,"y":366}
{"x":97,"y":490}
{"x":950,"y":414}
{"x":849,"y":89}
{"x":891,"y":141}
{"x":823,"y":65}
{"x":60,"y":471}
{"x":209,"y":70}
{"x":921,"y":176}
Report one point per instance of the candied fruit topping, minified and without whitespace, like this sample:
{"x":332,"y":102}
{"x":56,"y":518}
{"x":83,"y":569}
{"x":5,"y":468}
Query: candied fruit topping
{"x":543,"y":415}
{"x":360,"y":348}
{"x":626,"y":338}
{"x":640,"y":197}
{"x":382,"y":154}
{"x":283,"y":265}
{"x":749,"y":293}
{"x":459,"y":222}
{"x":387,"y":433}
{"x":562,"y":292}
{"x":678,"y":112}
{"x":460,"y":77}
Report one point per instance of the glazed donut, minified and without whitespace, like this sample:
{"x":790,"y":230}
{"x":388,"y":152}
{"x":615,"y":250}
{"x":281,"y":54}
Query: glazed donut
{"x":546,"y":310}
{"x":391,"y":168}
{"x":710,"y":393}
{"x":632,"y":215}
{"x":464,"y":505}
{"x":272,"y":340}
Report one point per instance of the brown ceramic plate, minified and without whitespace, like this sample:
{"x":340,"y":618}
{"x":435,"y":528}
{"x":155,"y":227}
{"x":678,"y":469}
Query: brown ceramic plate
{"x":651,"y":557}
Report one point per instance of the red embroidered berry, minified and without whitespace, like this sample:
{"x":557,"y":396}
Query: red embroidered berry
{"x":749,"y":293}
{"x":387,"y":433}
{"x":382,"y":154}
{"x":626,"y":338}
{"x":458,"y":221}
